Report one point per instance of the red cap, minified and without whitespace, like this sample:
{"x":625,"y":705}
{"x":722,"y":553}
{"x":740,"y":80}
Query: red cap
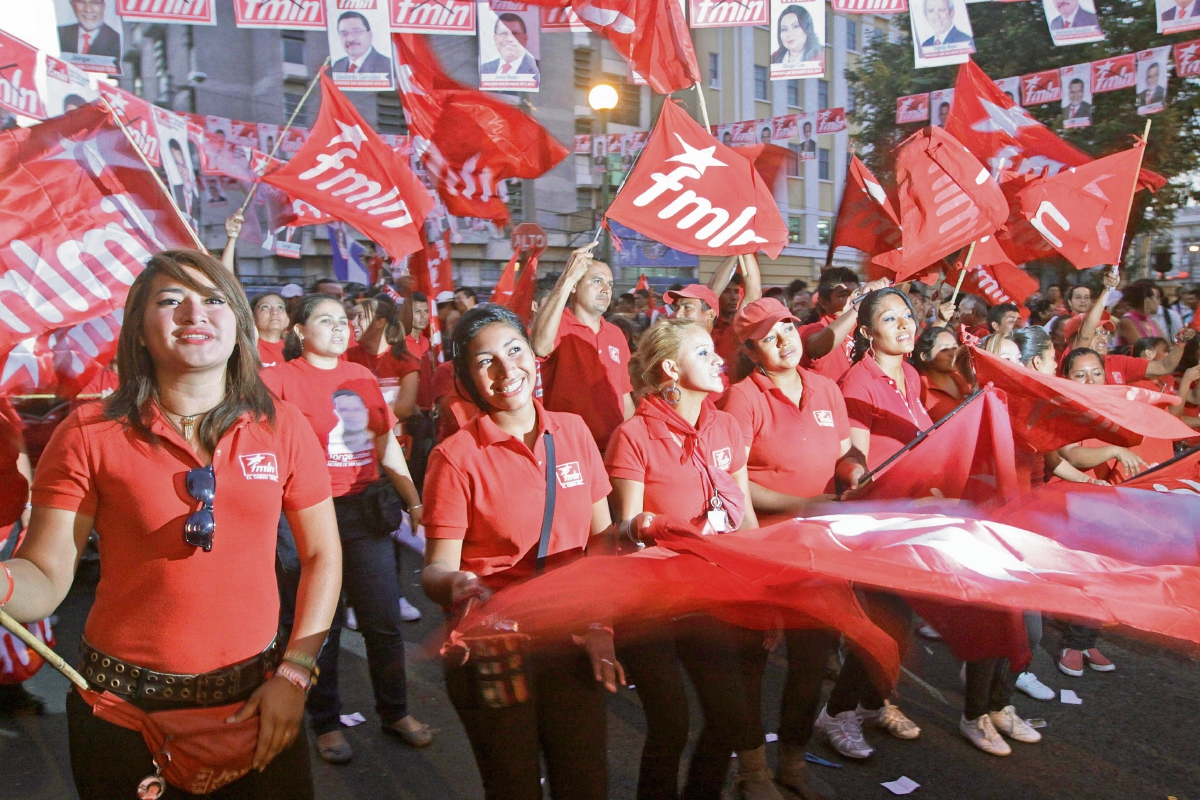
{"x":755,"y":320}
{"x":696,"y":291}
{"x":1072,"y":326}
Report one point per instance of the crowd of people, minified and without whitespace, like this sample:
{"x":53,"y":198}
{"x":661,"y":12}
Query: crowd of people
{"x":255,"y":463}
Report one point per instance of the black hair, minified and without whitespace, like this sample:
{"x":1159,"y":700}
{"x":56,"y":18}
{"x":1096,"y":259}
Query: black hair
{"x":468,"y":291}
{"x":542,"y":288}
{"x":1075,"y":355}
{"x":996,"y":313}
{"x":794,"y":287}
{"x":508,"y":17}
{"x":866,"y":312}
{"x":258,"y":298}
{"x":471,"y":325}
{"x":1032,"y":341}
{"x":354,"y":15}
{"x":1067,"y":291}
{"x":1075,"y":81}
{"x":1147,"y":343}
{"x":301,"y":314}
{"x":830,"y":278}
{"x":920,"y":354}
{"x":319,"y":281}
{"x":418,"y":297}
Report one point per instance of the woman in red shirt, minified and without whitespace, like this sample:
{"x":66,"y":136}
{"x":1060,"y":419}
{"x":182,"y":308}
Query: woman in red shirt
{"x":183,"y":472}
{"x":942,"y":386}
{"x":487,"y":505}
{"x":678,"y":455}
{"x":353,"y":423}
{"x":380,"y":348}
{"x":271,"y":319}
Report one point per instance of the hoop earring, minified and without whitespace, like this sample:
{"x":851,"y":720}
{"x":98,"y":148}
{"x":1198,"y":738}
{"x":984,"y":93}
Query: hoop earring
{"x":671,"y":394}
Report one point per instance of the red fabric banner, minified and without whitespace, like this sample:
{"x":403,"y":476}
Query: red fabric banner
{"x":768,"y":159}
{"x":138,"y":116}
{"x":192,"y":12}
{"x":18,"y":91}
{"x":867,"y":218}
{"x":1182,"y":477}
{"x":652,"y":35}
{"x":61,"y":361}
{"x":291,"y":14}
{"x":994,"y":278}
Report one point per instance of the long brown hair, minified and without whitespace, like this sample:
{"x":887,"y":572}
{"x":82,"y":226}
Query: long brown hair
{"x":661,"y":341}
{"x":244,"y":391}
{"x":394,"y":333}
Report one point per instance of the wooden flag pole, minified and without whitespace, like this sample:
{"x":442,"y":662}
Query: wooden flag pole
{"x":962,"y":272}
{"x":703,"y":106}
{"x":162,"y":186}
{"x":1116,"y":268}
{"x":36,"y":645}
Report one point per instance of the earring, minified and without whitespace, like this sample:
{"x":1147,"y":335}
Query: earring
{"x":671,"y":394}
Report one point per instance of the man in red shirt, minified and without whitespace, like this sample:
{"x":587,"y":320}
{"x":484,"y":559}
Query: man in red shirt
{"x":713,"y":306}
{"x":415,"y":316}
{"x":586,"y":358}
{"x":829,"y":341}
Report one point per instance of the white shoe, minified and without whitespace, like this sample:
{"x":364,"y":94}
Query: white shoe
{"x":982,"y":734}
{"x":845,"y":733}
{"x":892,"y":720}
{"x":351,"y":622}
{"x":1028,"y":683}
{"x":1009,"y":723}
{"x":409,"y":612}
{"x":926,"y":631}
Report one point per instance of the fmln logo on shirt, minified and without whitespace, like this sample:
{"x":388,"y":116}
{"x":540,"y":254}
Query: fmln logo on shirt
{"x":569,"y":474}
{"x":260,"y":467}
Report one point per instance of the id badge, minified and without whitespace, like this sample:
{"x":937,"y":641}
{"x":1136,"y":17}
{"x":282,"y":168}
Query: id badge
{"x":718,"y":520}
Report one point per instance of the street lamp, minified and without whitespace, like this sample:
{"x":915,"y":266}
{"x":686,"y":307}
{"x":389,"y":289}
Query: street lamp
{"x":603,"y":98}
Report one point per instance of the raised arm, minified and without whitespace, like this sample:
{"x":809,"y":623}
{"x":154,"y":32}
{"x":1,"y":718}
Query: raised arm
{"x":1087,"y":331}
{"x":544,"y":330}
{"x":233,"y":228}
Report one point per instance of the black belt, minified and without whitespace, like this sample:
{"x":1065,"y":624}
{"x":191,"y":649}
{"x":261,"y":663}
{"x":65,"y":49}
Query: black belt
{"x":226,"y":685}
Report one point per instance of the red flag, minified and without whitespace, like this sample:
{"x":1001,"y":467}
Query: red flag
{"x":430,"y":271}
{"x":79,"y":217}
{"x":867,"y":218}
{"x":18,"y":92}
{"x":642,"y":283}
{"x":1048,"y":412}
{"x":503,"y":290}
{"x":61,"y":361}
{"x":947,"y":200}
{"x":521,"y":301}
{"x":1020,"y":241}
{"x":1181,"y":476}
{"x":652,"y":35}
{"x":994,"y":278}
{"x":470,"y":141}
{"x":138,"y":116}
{"x":768,"y":159}
{"x":1083,"y":211}
{"x":669,"y":196}
{"x":968,"y":456}
{"x":347,"y":171}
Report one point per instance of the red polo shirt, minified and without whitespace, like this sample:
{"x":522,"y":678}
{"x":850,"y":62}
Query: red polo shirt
{"x":588,"y":374}
{"x":940,"y":403}
{"x":645,"y":449}
{"x":346,"y":424}
{"x":793,"y":449}
{"x":457,"y":410}
{"x":488,"y":489}
{"x":270,"y":353}
{"x":1124,"y":369}
{"x":416,"y":346}
{"x":161,"y":603}
{"x":874,"y":404}
{"x":832,"y":365}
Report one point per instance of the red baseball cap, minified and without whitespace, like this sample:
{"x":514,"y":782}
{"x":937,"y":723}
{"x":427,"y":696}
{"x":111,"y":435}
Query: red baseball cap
{"x":1072,"y":326}
{"x":696,"y":291}
{"x":755,"y":320}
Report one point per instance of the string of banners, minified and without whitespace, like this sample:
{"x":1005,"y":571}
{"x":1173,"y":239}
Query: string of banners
{"x":1073,"y":87}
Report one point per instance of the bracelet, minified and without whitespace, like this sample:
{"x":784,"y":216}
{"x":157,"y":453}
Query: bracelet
{"x":417,"y":505}
{"x":11,"y":584}
{"x":301,"y":659}
{"x":292,"y":674}
{"x":600,"y":627}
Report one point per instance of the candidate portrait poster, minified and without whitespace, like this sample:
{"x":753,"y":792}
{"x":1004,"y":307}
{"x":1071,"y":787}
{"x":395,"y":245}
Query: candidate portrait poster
{"x":360,"y":45}
{"x":724,"y":135}
{"x":599,"y":154}
{"x":764,"y":131}
{"x":1077,"y":95}
{"x":1011,"y":87}
{"x":182,"y":175}
{"x":940,"y":102}
{"x":268,"y":134}
{"x":1072,"y":21}
{"x":808,"y":136}
{"x":67,"y":87}
{"x":1177,"y":16}
{"x":90,"y":35}
{"x":942,"y":45}
{"x":1152,"y":66}
{"x":797,"y":39}
{"x":509,"y":47}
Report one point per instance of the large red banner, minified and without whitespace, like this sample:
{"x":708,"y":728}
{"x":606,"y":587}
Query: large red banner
{"x":138,"y":116}
{"x":18,"y":92}
{"x":191,"y":12}
{"x":296,"y":14}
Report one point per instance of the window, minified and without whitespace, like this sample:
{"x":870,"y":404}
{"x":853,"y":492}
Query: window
{"x":583,"y":198}
{"x":293,"y":47}
{"x":714,"y":70}
{"x":291,"y":99}
{"x":823,"y":168}
{"x":793,"y":164}
{"x":852,"y":35}
{"x":822,"y":95}
{"x":583,"y":71}
{"x":760,"y":82}
{"x":793,"y":93}
{"x":795,"y":230}
{"x":823,"y":231}
{"x":388,"y":116}
{"x":629,"y":104}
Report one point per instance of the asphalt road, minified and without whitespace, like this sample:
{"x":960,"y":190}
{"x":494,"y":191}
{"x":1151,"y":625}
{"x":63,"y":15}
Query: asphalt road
{"x":1135,"y":736}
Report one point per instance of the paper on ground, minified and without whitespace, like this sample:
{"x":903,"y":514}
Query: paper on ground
{"x":902,"y":785}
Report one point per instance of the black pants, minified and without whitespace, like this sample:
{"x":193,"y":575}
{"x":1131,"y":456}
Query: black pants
{"x":854,"y":687}
{"x":989,"y":687}
{"x":721,"y":661}
{"x":1079,"y":637}
{"x":108,"y":762}
{"x":808,"y":653}
{"x":564,"y":720}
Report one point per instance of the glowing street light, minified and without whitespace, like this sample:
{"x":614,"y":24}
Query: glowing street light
{"x":602,"y":97}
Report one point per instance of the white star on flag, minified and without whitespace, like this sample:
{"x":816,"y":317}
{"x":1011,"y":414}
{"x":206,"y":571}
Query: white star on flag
{"x":351,"y":134}
{"x":700,"y":159}
{"x":117,"y":102}
{"x":404,"y":74}
{"x":1008,"y":120}
{"x":21,"y":355}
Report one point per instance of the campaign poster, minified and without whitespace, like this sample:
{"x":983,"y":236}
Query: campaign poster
{"x":797,"y":45}
{"x":182,"y":175}
{"x":785,"y":127}
{"x":941,"y":29}
{"x":190,"y":12}
{"x":1111,"y":74}
{"x":637,"y":141}
{"x":912,"y":108}
{"x":443,"y":17}
{"x":744,"y":133}
{"x":1077,"y":95}
{"x":562,"y":19}
{"x":763,"y":131}
{"x":360,"y":45}
{"x":1038,"y":88}
{"x":1177,"y":16}
{"x":138,"y":118}
{"x":724,"y":135}
{"x":218,"y":126}
{"x":508,"y":47}
{"x":831,"y":120}
{"x":290,"y":142}
{"x":67,"y":87}
{"x":599,"y":154}
{"x":268,"y":135}
{"x":726,"y":13}
{"x":1011,"y":87}
{"x":18,"y":90}
{"x":583,"y":144}
{"x":90,"y":35}
{"x":1072,"y":21}
{"x":1152,"y":80}
{"x":1187,"y":59}
{"x":808,"y":136}
{"x":243,"y":134}
{"x":295,"y":14}
{"x":940,"y":102}
{"x":618,"y":160}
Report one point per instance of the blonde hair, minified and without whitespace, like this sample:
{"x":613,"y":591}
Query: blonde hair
{"x":662,"y":341}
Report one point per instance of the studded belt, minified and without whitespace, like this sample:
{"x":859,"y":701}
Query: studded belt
{"x":227,"y":685}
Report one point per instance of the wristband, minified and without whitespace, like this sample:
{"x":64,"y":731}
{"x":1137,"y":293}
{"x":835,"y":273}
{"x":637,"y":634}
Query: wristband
{"x":599,"y":627}
{"x":11,"y":584}
{"x":293,"y":675}
{"x":301,"y":659}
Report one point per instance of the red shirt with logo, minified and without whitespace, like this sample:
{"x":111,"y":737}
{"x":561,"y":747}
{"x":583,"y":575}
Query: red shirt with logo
{"x":939,"y":402}
{"x":1124,"y":369}
{"x":874,"y":404}
{"x":270,"y":353}
{"x":161,"y":603}
{"x":347,"y":411}
{"x":488,"y":489}
{"x":832,"y":365}
{"x":588,"y":374}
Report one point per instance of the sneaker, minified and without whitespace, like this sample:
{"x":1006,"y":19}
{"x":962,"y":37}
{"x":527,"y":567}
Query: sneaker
{"x":892,"y":720}
{"x":409,"y":612}
{"x":845,"y":733}
{"x":351,"y":622}
{"x":927,"y":632}
{"x":981,"y":733}
{"x":1098,"y":661}
{"x":1028,"y":683}
{"x":1009,"y":723}
{"x":1070,"y":662}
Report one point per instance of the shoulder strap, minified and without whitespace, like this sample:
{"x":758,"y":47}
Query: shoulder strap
{"x":548,"y":514}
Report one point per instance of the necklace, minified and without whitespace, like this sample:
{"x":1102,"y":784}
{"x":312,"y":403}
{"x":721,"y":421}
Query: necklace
{"x":186,"y":423}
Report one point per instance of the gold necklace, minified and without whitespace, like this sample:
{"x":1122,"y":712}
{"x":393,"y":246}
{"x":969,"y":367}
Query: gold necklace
{"x":185,"y":423}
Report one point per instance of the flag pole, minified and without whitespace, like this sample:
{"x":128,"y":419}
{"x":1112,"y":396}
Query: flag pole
{"x":1174,"y":459}
{"x":36,"y":645}
{"x":636,"y":158}
{"x":962,"y":272}
{"x":162,"y":186}
{"x":1116,"y":268}
{"x":703,"y":105}
{"x":833,"y":228}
